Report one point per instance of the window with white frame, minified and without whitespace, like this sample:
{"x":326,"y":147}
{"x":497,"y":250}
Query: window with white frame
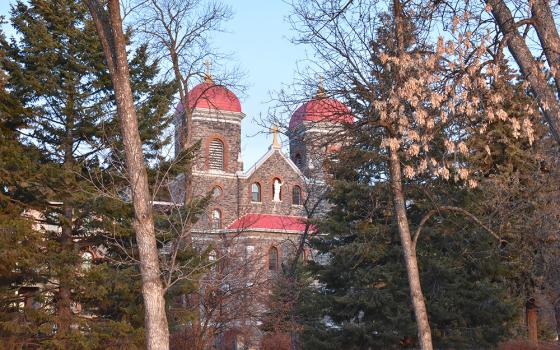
{"x":216,"y":155}
{"x":255,"y":192}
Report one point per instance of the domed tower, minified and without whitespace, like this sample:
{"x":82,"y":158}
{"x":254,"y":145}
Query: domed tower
{"x":216,"y":122}
{"x":315,"y":130}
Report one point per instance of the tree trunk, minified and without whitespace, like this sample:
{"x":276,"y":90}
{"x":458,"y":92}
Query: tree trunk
{"x":186,"y":123}
{"x":531,"y":309}
{"x":529,"y":67}
{"x":548,"y":36}
{"x":411,"y":263}
{"x":557,"y":317}
{"x":64,"y":302}
{"x":409,"y":251}
{"x":186,"y":142}
{"x":109,"y":28}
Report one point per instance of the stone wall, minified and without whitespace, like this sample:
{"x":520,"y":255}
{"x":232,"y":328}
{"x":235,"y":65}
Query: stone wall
{"x":275,"y":166}
{"x":235,"y":200}
{"x":227,"y":132}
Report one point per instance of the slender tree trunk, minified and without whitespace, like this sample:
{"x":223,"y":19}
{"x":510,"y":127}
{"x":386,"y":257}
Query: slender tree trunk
{"x":546,"y":96}
{"x":531,"y":310}
{"x":186,"y":142}
{"x":186,"y":122}
{"x":411,"y":262}
{"x":64,"y":303}
{"x":557,"y":316}
{"x":409,"y":251}
{"x":548,"y":36}
{"x":109,"y":28}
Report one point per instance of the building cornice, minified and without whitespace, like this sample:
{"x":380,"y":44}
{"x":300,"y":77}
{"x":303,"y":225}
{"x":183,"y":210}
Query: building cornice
{"x":218,"y":116}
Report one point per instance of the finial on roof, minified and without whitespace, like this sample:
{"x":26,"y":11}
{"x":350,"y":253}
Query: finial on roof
{"x":275,"y":142}
{"x":320,"y":87}
{"x":207,"y":75}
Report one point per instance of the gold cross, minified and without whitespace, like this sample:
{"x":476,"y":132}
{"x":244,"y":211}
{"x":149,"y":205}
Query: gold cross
{"x":207,"y":75}
{"x":275,"y":142}
{"x":321,"y":88}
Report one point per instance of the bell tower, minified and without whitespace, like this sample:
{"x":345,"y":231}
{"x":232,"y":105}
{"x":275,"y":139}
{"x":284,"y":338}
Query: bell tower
{"x":315,"y":130}
{"x":216,"y":123}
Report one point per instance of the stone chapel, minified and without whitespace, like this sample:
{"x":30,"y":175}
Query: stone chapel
{"x":262,"y":206}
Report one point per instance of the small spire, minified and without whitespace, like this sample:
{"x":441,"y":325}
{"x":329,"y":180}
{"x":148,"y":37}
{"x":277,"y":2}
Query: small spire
{"x":320,"y":87}
{"x":207,"y":75}
{"x":275,"y":142}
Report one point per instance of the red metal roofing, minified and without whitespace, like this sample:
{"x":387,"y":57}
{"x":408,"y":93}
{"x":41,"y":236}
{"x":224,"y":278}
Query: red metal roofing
{"x":211,"y":96}
{"x":322,"y":109}
{"x":269,"y":222}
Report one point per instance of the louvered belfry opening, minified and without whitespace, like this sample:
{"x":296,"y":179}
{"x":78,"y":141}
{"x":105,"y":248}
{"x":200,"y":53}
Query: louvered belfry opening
{"x":216,"y":155}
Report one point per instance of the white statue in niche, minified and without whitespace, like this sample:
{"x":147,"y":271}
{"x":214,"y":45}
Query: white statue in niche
{"x":277,"y":185}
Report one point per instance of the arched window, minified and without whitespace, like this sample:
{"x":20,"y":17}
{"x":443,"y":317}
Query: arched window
{"x":87,"y":260}
{"x":296,"y":196}
{"x":273,"y":259}
{"x":255,"y":192}
{"x":216,"y":155}
{"x":298,"y":160}
{"x":216,"y":192}
{"x":216,"y":219}
{"x":212,"y":256}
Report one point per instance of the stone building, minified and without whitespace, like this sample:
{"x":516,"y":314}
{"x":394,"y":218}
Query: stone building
{"x":258,"y":213}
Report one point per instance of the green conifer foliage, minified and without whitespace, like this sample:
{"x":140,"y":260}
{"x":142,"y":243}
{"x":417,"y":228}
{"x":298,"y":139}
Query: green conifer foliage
{"x":475,"y":286}
{"x":60,"y":161}
{"x":362,"y":300}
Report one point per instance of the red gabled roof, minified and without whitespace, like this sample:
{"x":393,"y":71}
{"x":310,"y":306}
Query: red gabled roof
{"x":269,"y":222}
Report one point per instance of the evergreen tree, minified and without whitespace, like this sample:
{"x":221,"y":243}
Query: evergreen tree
{"x":362,"y":300}
{"x":519,"y":188}
{"x":62,"y":109}
{"x":475,"y":287}
{"x":20,"y":245}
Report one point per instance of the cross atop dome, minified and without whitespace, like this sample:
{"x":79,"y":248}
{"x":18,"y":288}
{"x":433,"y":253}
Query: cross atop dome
{"x":320,"y":88}
{"x":211,"y":96}
{"x":207,"y":74}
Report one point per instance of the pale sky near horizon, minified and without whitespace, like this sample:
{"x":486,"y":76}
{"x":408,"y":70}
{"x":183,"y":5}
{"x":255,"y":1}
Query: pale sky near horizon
{"x":258,"y":39}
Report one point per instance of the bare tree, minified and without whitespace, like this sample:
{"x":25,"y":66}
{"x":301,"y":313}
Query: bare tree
{"x":230,"y":295}
{"x":178,"y":32}
{"x":109,"y":24}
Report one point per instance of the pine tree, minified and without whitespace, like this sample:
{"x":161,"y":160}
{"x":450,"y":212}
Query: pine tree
{"x":475,"y":287}
{"x":20,"y":244}
{"x":519,"y":187}
{"x":63,"y":110}
{"x":362,"y":299}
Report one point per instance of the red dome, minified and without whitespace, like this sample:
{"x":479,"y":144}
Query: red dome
{"x":211,"y":96}
{"x":322,"y":109}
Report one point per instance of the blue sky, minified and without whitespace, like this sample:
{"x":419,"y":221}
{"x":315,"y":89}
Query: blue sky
{"x":258,"y":39}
